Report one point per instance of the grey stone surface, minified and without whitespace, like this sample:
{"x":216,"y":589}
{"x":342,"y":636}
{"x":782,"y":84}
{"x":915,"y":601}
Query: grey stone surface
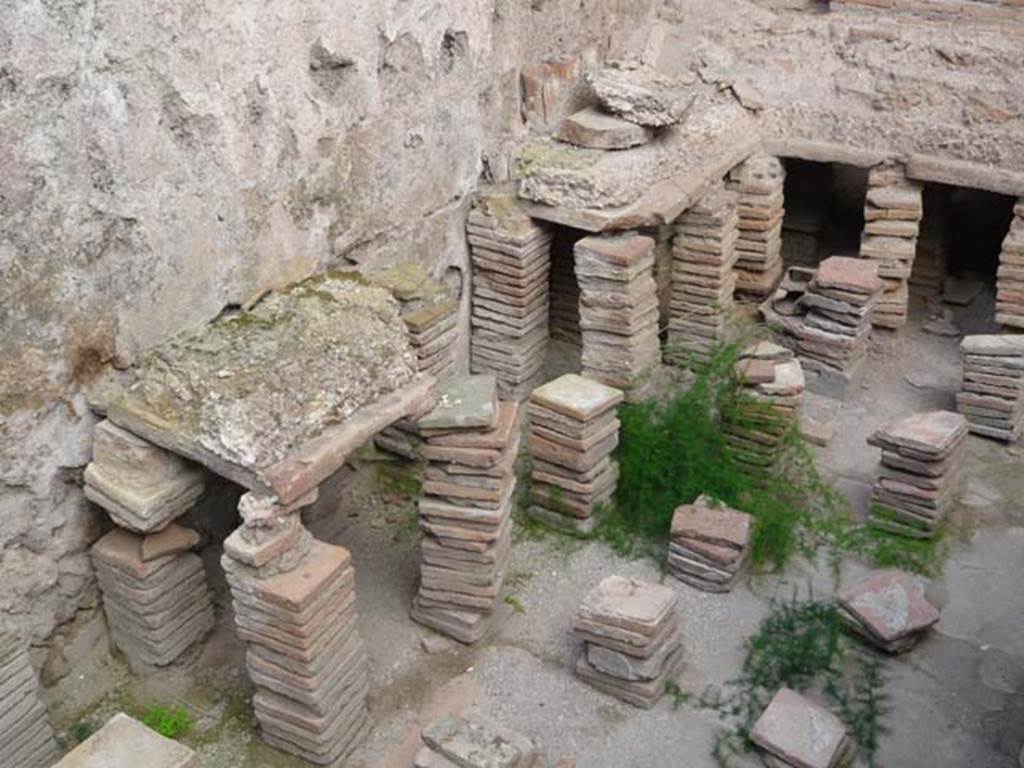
{"x":126,"y":743}
{"x":466,"y":402}
{"x":640,"y":94}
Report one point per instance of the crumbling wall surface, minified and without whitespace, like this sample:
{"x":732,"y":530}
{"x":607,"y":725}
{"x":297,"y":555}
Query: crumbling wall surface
{"x":157,"y":165}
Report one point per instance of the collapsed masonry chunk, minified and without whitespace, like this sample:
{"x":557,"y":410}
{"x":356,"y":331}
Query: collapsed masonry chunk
{"x":639,"y":94}
{"x":473,"y":742}
{"x":630,"y":639}
{"x":26,"y":737}
{"x":143,"y":487}
{"x":599,"y":130}
{"x":156,"y":609}
{"x":799,"y":733}
{"x":126,"y":743}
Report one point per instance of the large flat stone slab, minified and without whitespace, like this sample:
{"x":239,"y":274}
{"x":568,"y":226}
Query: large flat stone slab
{"x":577,"y":396}
{"x":799,"y":731}
{"x":275,"y":399}
{"x":126,"y":743}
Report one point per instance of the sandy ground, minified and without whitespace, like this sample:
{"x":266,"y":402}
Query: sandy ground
{"x":957,"y":700}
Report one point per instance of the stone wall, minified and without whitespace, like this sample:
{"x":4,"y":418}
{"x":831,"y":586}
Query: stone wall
{"x":973,"y":10}
{"x":159,"y":166}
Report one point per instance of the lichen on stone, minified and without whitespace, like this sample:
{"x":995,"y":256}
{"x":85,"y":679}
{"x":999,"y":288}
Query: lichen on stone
{"x":250,"y":387}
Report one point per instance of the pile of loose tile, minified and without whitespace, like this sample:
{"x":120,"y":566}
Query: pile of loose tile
{"x":795,"y":732}
{"x":892,"y":218}
{"x":618,"y":308}
{"x":156,"y":601}
{"x":142,"y":487}
{"x":703,"y":278}
{"x":772,"y":393}
{"x":473,"y":741}
{"x":297,"y":616}
{"x":1010,"y":276}
{"x":709,"y":545}
{"x":26,"y":738}
{"x":840,"y":299}
{"x":889,"y":610}
{"x":124,"y":741}
{"x":472,"y":440}
{"x":922,"y":458}
{"x":630,"y":639}
{"x":759,"y":181}
{"x":573,"y":431}
{"x":992,"y":391}
{"x":511,"y":257}
{"x":430,"y":313}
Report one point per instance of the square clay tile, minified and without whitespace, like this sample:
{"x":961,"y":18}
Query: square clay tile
{"x":629,"y":604}
{"x":849,"y":274}
{"x":576,"y":396}
{"x":719,"y":525}
{"x":799,"y":731}
{"x":931,"y":433}
{"x":890,"y":604}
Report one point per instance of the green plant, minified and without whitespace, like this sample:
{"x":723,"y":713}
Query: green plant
{"x":677,"y":694}
{"x":171,"y":722}
{"x":674,"y":450}
{"x":82,"y":730}
{"x":803,"y":646}
{"x":516,"y":603}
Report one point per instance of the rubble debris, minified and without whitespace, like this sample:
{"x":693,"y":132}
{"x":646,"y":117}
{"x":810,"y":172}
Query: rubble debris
{"x":922,"y":458}
{"x":304,"y":653}
{"x":599,"y":130}
{"x":888,"y":609}
{"x":573,"y":432}
{"x":758,"y":182}
{"x":630,"y":643}
{"x":991,"y":395}
{"x":124,"y":742}
{"x":27,"y":739}
{"x":466,"y":511}
{"x":709,"y":545}
{"x":639,"y":94}
{"x":703,"y":278}
{"x":618,"y":309}
{"x":511,"y":259}
{"x":473,"y":741}
{"x":156,"y":609}
{"x":799,"y":733}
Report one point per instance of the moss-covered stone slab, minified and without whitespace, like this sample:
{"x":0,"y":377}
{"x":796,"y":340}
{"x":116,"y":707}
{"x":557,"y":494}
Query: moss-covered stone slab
{"x":276,"y":398}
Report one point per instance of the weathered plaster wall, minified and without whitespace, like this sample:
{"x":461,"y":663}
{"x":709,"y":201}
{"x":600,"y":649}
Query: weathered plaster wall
{"x":159,"y":161}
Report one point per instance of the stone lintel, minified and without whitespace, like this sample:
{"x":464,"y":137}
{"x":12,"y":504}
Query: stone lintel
{"x":663,"y":203}
{"x":961,"y":173}
{"x":309,"y":464}
{"x":827,"y":152}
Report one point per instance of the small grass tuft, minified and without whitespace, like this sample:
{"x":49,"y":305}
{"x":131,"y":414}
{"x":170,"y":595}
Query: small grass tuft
{"x":82,"y":730}
{"x":171,"y":722}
